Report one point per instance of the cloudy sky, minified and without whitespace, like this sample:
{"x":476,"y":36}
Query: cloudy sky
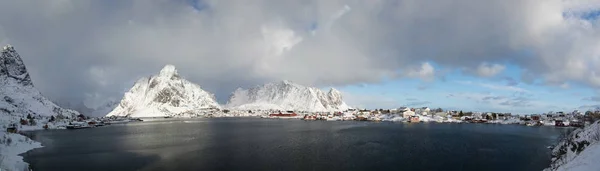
{"x":503,"y":55}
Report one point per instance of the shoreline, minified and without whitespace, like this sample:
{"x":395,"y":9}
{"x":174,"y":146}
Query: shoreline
{"x":11,"y":147}
{"x":577,"y":151}
{"x":11,"y":159}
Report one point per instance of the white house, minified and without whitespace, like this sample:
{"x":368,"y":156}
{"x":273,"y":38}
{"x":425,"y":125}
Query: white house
{"x":441,"y":114}
{"x":408,"y":113}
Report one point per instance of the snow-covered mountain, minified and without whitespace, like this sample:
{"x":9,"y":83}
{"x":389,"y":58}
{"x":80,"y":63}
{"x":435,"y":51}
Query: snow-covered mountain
{"x":286,"y":95}
{"x":18,"y":96}
{"x":165,"y":94}
{"x":580,"y":150}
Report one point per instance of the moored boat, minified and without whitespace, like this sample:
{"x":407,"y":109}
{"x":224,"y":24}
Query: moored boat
{"x":77,"y":127}
{"x":309,"y":117}
{"x":289,"y":114}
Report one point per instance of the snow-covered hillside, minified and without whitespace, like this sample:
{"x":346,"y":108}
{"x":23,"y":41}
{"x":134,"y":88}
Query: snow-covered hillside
{"x":165,"y":94}
{"x":580,"y":151}
{"x":18,"y":96}
{"x":286,"y":95}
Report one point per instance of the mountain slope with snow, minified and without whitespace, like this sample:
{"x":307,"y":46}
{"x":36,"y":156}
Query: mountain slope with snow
{"x":286,"y":95}
{"x":579,"y":151}
{"x":165,"y":94}
{"x":18,"y":96}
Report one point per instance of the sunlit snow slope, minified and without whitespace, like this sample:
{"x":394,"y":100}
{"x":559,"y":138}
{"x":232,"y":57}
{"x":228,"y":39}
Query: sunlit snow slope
{"x":165,"y":94}
{"x":286,"y":95}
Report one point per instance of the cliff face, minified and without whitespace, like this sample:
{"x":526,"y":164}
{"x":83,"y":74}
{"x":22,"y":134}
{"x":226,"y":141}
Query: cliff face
{"x":18,"y":95}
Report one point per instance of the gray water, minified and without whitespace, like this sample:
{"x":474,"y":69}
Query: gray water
{"x":267,"y":144}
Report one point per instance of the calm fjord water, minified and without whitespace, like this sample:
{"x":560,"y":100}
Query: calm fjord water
{"x":264,"y":144}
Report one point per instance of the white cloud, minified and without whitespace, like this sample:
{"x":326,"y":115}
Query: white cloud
{"x":565,"y":85}
{"x":498,"y":103}
{"x":425,"y":72}
{"x":224,"y":45}
{"x":489,"y":70}
{"x":494,"y":86}
{"x":369,"y":100}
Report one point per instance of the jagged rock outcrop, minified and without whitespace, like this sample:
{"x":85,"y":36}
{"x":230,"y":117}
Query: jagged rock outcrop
{"x":12,"y":66}
{"x":18,"y":96}
{"x":286,"y":95}
{"x":578,"y":151}
{"x":165,"y":94}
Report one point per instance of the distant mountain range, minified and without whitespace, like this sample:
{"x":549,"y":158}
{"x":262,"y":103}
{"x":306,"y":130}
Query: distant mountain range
{"x":163,"y":94}
{"x":286,"y":95}
{"x":168,"y":94}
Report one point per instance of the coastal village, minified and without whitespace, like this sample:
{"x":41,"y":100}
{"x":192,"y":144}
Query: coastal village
{"x":424,"y":114}
{"x":403,"y":114}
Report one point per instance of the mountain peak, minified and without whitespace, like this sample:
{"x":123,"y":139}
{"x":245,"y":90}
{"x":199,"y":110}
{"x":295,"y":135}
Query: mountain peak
{"x":12,"y":65}
{"x":333,"y":90}
{"x":8,"y":47}
{"x":163,"y":95}
{"x":20,"y":97}
{"x":168,"y":70}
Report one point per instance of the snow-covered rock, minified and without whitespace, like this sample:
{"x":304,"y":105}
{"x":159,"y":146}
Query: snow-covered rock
{"x":286,"y":95}
{"x":580,"y":150}
{"x":18,"y":96}
{"x":165,"y":94}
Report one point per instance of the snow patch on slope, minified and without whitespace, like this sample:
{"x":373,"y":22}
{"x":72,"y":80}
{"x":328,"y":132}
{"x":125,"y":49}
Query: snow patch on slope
{"x":165,"y":94}
{"x":286,"y":95}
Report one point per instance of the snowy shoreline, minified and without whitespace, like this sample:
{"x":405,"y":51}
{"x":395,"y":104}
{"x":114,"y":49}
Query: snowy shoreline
{"x":11,"y":146}
{"x":579,"y":151}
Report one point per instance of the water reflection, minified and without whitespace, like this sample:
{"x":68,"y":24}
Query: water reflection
{"x":259,"y":144}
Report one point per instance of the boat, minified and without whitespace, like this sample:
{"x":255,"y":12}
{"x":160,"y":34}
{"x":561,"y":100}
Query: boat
{"x":334,"y":118}
{"x":309,"y":117}
{"x":361,"y":118}
{"x":576,"y":123}
{"x":100,"y":124}
{"x":77,"y":127}
{"x":283,"y":115}
{"x":559,"y":123}
{"x":118,"y":121}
